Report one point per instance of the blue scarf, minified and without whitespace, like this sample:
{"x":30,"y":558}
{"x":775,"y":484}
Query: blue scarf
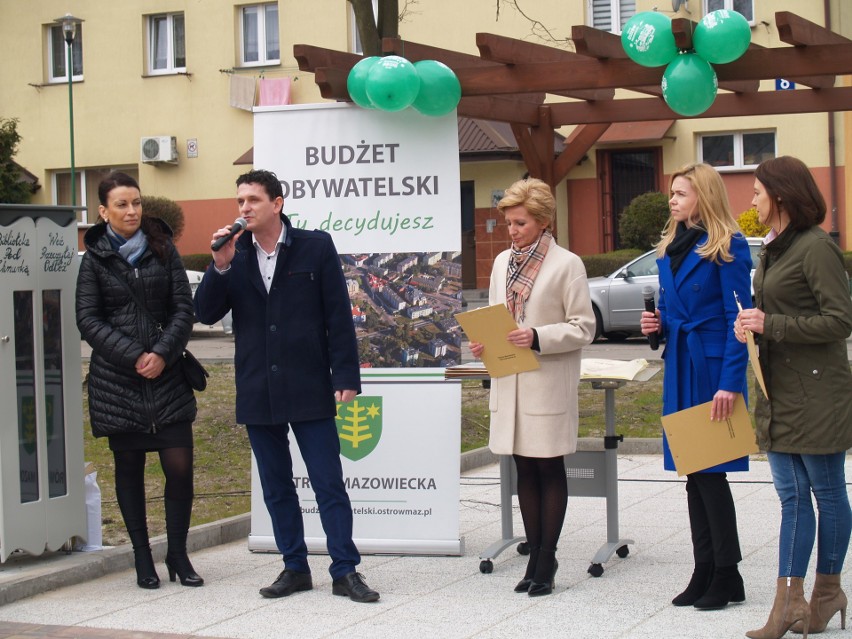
{"x":130,"y":249}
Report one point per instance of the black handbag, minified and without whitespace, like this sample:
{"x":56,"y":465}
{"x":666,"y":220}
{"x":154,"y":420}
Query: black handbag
{"x":194,"y":372}
{"x":196,"y":375}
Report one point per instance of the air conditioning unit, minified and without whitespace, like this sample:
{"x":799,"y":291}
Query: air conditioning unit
{"x":158,"y":149}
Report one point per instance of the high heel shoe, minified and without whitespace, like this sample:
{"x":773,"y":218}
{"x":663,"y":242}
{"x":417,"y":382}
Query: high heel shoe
{"x":524,"y":584}
{"x":827,"y":599}
{"x":541,"y":588}
{"x":146,"y":574}
{"x":788,"y":608}
{"x":180,"y":565}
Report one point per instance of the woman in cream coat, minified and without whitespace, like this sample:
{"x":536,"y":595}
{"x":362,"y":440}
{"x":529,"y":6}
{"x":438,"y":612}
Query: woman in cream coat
{"x":534,"y":415}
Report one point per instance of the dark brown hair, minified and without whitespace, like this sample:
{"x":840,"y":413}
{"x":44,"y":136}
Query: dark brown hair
{"x":791,"y":187}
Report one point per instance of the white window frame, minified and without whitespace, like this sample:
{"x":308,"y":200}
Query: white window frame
{"x":91,"y":212}
{"x":171,"y":68}
{"x":739,"y":162}
{"x":615,"y":9}
{"x":729,"y":5}
{"x":75,"y":46}
{"x":354,"y":37}
{"x":263,"y":58}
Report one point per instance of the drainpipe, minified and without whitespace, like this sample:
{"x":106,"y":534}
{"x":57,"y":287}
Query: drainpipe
{"x":832,"y":165}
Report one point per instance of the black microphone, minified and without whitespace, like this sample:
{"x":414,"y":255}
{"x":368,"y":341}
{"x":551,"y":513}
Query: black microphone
{"x":238,"y":225}
{"x":648,"y":294}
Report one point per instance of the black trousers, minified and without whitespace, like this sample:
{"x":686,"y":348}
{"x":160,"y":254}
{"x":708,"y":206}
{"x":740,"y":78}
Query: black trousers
{"x":712,"y":519}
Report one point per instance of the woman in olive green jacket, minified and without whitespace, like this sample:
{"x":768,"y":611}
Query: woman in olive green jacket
{"x":802,"y":315}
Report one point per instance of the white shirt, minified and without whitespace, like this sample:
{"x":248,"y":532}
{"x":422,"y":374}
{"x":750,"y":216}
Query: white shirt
{"x":266,"y":261}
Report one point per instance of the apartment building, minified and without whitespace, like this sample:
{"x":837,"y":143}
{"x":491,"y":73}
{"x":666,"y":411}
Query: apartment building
{"x":163,"y":89}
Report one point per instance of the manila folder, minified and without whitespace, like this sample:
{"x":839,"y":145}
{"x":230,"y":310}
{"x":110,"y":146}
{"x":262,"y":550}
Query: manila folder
{"x":489,"y":326}
{"x":697,"y":442}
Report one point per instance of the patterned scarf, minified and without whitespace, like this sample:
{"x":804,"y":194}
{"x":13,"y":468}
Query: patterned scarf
{"x":524,"y":266}
{"x":130,"y":249}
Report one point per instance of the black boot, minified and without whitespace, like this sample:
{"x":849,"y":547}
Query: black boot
{"x":697,"y":586}
{"x":545,"y":574}
{"x":726,"y":586}
{"x":178,"y":512}
{"x":131,"y":502}
{"x":524,"y":584}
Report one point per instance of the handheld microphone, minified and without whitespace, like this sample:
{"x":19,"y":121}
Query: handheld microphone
{"x":238,"y":225}
{"x":648,"y":295}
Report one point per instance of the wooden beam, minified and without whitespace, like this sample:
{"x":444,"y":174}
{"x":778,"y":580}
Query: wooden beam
{"x":582,"y":139}
{"x":497,"y":48}
{"x":797,"y":31}
{"x":310,"y":58}
{"x":499,"y":110}
{"x":786,"y":62}
{"x":527,"y":148}
{"x":726,"y":105}
{"x":682,"y":29}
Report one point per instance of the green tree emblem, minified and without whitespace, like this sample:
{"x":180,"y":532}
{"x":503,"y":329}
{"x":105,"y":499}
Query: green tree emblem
{"x":359,"y":426}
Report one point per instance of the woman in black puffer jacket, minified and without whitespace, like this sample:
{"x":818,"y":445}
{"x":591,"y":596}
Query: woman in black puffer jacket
{"x":138,"y":396}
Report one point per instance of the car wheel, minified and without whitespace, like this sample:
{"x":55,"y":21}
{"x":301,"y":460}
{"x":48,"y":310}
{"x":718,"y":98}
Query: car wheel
{"x":598,"y":323}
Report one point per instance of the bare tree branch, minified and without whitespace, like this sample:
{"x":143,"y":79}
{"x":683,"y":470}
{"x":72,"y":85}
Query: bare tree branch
{"x":537,"y":28}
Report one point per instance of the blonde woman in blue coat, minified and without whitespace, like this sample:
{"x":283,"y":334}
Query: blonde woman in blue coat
{"x":704,"y":261}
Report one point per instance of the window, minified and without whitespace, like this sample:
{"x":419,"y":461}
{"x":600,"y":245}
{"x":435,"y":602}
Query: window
{"x":86,"y":181}
{"x":611,"y":15}
{"x":734,"y":151}
{"x":357,"y":47}
{"x":57,"y":53}
{"x":260,"y":34}
{"x":745,"y":7}
{"x":166,"y":44}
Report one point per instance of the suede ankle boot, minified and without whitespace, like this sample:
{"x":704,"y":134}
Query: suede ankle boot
{"x":698,"y":584}
{"x":789,"y":607}
{"x":827,"y":599}
{"x":725,"y":587}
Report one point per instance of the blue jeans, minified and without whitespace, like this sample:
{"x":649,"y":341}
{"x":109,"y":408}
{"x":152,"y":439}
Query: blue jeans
{"x":795,"y":477}
{"x":320,"y":449}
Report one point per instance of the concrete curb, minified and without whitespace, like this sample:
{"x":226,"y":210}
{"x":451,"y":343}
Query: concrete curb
{"x":28,"y":575}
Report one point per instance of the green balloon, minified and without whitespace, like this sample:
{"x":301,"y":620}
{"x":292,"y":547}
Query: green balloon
{"x":648,"y":40}
{"x":392,"y":83}
{"x":440,"y":90}
{"x":356,"y":82}
{"x":689,"y":84}
{"x":722,"y":36}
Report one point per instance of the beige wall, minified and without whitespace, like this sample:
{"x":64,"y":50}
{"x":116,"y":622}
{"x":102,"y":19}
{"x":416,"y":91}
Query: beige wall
{"x":117,"y":104}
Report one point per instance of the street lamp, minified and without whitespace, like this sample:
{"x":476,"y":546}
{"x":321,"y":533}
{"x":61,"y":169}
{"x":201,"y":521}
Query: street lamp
{"x":69,"y":30}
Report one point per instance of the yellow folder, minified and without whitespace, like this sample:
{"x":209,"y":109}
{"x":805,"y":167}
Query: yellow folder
{"x":489,"y":326}
{"x":697,"y":442}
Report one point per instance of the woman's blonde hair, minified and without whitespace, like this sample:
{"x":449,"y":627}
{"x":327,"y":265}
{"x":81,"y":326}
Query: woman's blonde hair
{"x":535,"y":196}
{"x":713,"y":212}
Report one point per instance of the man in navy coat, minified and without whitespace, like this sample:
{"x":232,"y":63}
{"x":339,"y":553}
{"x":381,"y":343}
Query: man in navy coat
{"x":295,"y":357}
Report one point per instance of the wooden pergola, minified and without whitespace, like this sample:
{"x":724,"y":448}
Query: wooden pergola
{"x":511,"y":78}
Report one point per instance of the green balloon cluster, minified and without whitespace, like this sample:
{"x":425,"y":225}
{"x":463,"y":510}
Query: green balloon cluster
{"x":689,"y":82}
{"x":392,"y":83}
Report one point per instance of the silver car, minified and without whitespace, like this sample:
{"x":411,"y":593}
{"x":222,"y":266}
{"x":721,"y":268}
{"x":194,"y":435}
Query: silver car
{"x":194,"y":281}
{"x":617,"y":298}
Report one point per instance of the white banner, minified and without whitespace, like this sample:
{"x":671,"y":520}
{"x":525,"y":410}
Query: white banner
{"x":377,"y":181}
{"x":386,"y":187}
{"x":401,"y":467}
